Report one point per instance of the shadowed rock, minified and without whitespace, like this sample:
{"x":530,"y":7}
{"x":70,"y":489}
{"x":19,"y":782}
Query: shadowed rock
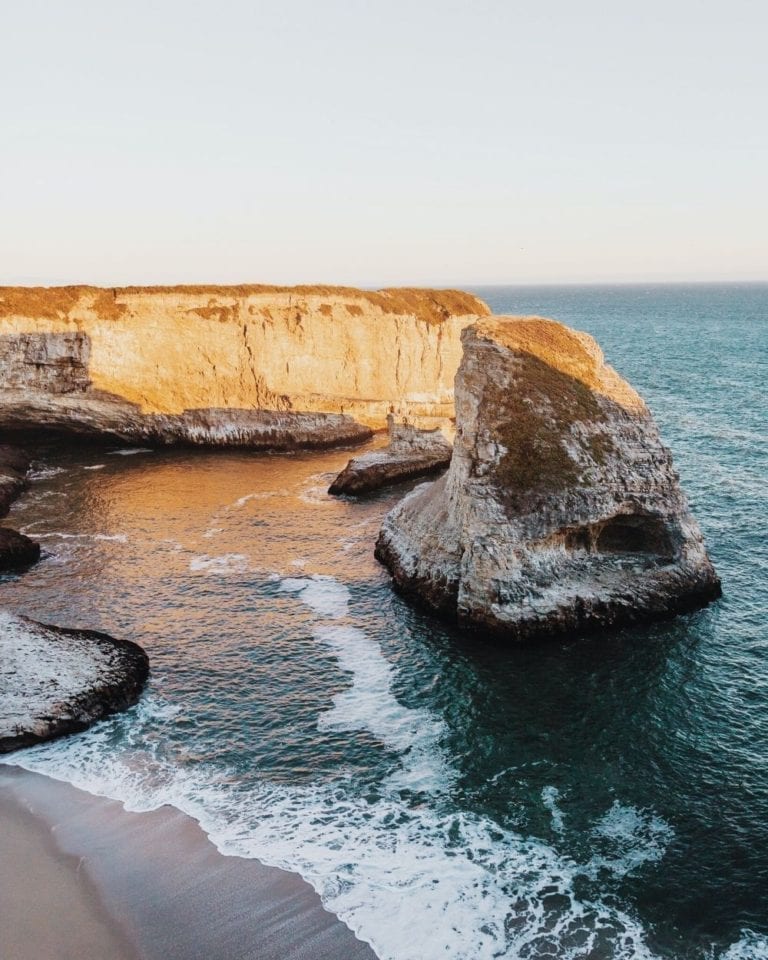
{"x":411,"y":453}
{"x":14,"y":464}
{"x":17,"y":552}
{"x":561,"y":511}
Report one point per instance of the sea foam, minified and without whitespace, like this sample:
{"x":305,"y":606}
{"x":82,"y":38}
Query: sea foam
{"x":219,"y":565}
{"x":415,"y":882}
{"x":368,"y":703}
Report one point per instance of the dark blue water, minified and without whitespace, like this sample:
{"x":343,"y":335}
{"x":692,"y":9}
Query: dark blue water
{"x":606,"y":798}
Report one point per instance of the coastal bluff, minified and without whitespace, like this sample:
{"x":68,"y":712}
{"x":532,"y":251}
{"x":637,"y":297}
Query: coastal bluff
{"x":260,"y":366}
{"x":561,"y":511}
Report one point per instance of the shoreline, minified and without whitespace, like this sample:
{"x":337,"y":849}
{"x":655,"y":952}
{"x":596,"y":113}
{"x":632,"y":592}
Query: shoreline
{"x":103,"y":883}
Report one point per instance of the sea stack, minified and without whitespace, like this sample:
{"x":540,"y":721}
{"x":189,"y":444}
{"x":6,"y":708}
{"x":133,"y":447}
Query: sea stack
{"x":561,"y":512}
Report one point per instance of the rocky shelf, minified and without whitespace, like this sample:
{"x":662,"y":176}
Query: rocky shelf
{"x":411,"y":453}
{"x":55,"y":681}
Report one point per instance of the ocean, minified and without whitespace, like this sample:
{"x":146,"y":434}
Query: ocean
{"x":601,"y":798}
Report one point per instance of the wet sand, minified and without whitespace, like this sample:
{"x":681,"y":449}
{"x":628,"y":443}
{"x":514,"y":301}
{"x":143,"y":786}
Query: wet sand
{"x":82,"y":879}
{"x":48,"y":906}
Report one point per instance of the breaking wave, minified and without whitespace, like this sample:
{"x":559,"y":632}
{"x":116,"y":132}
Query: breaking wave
{"x":477,"y":890}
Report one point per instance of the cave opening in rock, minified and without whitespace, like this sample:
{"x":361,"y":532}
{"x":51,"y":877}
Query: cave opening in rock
{"x":634,"y":533}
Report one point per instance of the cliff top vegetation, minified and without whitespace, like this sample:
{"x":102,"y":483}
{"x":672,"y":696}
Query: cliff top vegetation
{"x":431,"y":306}
{"x":532,"y":413}
{"x":570,"y":352}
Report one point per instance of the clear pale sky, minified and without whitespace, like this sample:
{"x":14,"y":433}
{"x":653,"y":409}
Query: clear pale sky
{"x":419,"y":142}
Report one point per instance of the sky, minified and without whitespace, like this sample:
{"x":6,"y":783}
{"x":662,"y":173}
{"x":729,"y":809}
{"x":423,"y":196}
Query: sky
{"x":427,"y":142}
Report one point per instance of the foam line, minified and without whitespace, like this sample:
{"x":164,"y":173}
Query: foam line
{"x":222,"y":565}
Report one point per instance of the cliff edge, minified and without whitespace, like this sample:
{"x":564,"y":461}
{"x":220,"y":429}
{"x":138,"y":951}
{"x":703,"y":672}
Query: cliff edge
{"x":260,"y":366}
{"x":561,"y":511}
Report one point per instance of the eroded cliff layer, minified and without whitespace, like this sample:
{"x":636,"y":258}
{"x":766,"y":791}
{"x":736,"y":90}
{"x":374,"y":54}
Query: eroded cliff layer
{"x":561,"y":511}
{"x":256,"y":365}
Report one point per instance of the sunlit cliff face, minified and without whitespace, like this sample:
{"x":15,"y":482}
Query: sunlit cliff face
{"x":166,"y":350}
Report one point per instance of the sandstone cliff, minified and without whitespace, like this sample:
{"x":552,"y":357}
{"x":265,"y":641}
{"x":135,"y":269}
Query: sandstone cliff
{"x":263,"y":366}
{"x":561,"y":510}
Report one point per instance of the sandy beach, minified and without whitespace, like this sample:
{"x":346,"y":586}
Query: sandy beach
{"x":82,"y":879}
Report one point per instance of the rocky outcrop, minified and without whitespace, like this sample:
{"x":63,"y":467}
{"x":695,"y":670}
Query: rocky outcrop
{"x":258,"y":366}
{"x":17,"y":552}
{"x":55,"y":681}
{"x":561,"y":511}
{"x":410,"y":453}
{"x":14,"y":464}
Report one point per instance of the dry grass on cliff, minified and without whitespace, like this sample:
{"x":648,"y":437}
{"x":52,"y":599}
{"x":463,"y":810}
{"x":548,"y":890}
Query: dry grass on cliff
{"x":563,"y":349}
{"x":532,"y":417}
{"x":431,"y":306}
{"x":52,"y":303}
{"x":555,"y":384}
{"x":571,"y":352}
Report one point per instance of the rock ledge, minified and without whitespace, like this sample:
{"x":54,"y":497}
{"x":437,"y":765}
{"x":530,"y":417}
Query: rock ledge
{"x":411,"y":453}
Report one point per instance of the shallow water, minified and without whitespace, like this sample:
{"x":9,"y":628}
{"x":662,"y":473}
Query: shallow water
{"x":606,"y":798}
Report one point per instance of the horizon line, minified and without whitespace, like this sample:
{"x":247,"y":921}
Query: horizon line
{"x":486,"y":284}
